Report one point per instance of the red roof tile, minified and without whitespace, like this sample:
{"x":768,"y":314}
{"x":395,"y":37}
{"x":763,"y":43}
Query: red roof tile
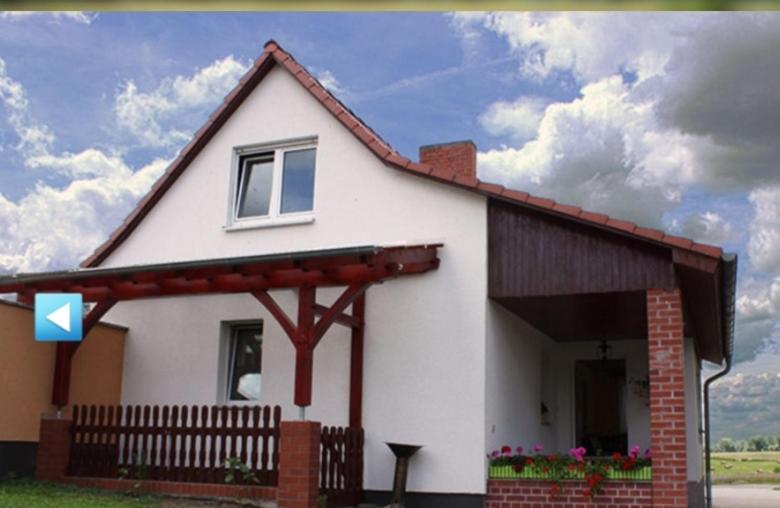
{"x":273,"y":55}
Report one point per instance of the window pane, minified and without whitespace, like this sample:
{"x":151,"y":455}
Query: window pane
{"x":255,"y":180}
{"x":246,"y":363}
{"x":298,"y":181}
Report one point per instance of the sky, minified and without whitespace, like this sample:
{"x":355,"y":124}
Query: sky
{"x":671,"y":120}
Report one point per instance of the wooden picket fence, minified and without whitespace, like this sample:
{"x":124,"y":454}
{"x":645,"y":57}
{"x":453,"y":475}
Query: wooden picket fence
{"x":176,"y":443}
{"x":341,"y":465}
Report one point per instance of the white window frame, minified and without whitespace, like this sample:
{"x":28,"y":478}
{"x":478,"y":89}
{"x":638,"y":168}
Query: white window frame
{"x":274,"y":217}
{"x":225,"y":371}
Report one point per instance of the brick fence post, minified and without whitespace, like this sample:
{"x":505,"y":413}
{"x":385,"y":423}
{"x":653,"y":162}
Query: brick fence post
{"x":53,"y":448}
{"x":299,"y":465}
{"x":665,"y":342}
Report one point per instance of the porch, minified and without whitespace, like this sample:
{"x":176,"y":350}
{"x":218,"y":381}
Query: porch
{"x":601,"y":337}
{"x":235,"y":450}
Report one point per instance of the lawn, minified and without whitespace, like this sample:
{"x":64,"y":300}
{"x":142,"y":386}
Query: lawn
{"x":746,"y":467}
{"x":29,"y":494}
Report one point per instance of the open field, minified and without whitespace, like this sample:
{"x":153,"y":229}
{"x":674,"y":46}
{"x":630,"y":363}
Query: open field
{"x":746,"y":467}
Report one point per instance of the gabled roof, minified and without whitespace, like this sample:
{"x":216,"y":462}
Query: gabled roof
{"x":274,"y":55}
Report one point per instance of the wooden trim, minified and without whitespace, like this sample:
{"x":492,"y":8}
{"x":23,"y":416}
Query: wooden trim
{"x":356,"y":364}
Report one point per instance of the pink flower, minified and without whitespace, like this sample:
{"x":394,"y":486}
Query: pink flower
{"x":494,"y":454}
{"x":647,"y":454}
{"x":578,"y":453}
{"x":538,"y":448}
{"x":519,"y":450}
{"x":634,"y":452}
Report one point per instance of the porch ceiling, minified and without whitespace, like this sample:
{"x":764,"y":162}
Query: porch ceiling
{"x":595,"y":316}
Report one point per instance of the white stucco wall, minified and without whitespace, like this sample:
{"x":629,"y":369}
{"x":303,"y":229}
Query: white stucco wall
{"x":424,"y":344}
{"x":693,"y":413}
{"x":515,"y":373}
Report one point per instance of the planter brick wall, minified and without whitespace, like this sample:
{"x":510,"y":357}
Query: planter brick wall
{"x":667,"y":398}
{"x":299,"y":465}
{"x":53,"y":448}
{"x":536,"y":494}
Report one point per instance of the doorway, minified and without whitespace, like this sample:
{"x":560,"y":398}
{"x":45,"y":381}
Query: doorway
{"x":600,"y":409}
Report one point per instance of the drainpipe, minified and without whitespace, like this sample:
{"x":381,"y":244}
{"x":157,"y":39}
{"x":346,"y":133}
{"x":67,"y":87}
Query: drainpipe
{"x":708,"y":475}
{"x":728,"y":284}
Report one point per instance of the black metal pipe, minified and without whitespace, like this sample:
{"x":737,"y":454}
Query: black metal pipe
{"x":707,"y":458}
{"x":728,"y":284}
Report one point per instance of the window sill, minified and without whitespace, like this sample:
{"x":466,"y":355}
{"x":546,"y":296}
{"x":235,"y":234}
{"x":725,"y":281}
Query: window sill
{"x":269,"y":223}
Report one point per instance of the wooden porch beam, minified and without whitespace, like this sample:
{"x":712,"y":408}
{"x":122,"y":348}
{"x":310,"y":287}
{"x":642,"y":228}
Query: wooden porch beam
{"x":356,"y":364}
{"x":281,"y":317}
{"x":304,"y":348}
{"x":342,"y":319}
{"x":345,"y":300}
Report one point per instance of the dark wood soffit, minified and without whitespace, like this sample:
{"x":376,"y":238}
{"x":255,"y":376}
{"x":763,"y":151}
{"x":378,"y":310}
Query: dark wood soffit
{"x":701,"y":302}
{"x":596,"y":316}
{"x":535,"y":254}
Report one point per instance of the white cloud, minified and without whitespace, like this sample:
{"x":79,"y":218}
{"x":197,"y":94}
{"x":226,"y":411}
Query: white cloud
{"x":519,"y":119}
{"x":58,"y":227}
{"x":53,"y":227}
{"x":33,"y":138}
{"x":591,"y":45}
{"x":601,"y":151}
{"x":329,"y":81}
{"x":745,"y":405}
{"x":154,"y":118}
{"x":707,"y":227}
{"x":76,"y":16}
{"x":764,"y":244}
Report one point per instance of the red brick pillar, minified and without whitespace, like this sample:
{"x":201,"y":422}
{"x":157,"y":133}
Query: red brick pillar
{"x":53,"y":448}
{"x":667,"y":398}
{"x":299,"y":465}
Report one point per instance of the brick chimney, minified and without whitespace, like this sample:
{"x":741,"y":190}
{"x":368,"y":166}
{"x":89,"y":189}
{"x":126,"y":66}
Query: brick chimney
{"x":458,"y":158}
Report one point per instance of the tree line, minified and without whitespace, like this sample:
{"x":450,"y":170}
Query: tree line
{"x":753,"y":444}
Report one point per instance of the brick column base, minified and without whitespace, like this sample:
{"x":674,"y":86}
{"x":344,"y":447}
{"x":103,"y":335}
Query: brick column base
{"x":53,"y":448}
{"x":299,"y":465}
{"x":665,"y":343}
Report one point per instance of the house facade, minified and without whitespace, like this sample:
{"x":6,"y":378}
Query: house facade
{"x":540,"y":324}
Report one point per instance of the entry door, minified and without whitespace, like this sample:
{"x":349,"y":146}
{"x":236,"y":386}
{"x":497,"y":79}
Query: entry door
{"x":600,"y":410}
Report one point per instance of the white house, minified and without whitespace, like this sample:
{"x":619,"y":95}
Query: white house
{"x":537,"y":324}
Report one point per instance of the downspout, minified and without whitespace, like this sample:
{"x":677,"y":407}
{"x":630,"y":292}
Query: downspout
{"x":708,"y":475}
{"x":728,"y":299}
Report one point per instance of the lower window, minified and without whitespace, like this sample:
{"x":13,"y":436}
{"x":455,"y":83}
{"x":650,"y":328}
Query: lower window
{"x":245,"y":360}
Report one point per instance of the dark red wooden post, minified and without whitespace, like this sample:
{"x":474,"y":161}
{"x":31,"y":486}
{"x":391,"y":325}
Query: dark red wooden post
{"x":304,"y":346}
{"x":356,"y":363}
{"x":60,"y":390}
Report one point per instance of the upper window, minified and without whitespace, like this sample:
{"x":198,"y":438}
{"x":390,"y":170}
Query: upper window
{"x":245,"y":362}
{"x":273,"y":185}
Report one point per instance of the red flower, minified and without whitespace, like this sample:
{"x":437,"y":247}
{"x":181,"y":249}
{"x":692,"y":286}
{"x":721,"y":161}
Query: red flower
{"x":529,"y":462}
{"x":616,"y":455}
{"x":517,"y":468}
{"x":545,"y":470}
{"x":506,"y":450}
{"x":551,"y":457}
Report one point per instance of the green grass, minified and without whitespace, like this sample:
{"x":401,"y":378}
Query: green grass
{"x":29,"y":494}
{"x":746,"y":467}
